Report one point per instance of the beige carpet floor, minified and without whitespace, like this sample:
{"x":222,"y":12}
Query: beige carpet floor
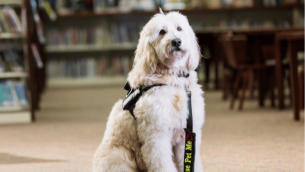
{"x":71,"y":123}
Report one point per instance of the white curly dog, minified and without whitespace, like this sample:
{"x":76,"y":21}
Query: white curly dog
{"x":155,"y":141}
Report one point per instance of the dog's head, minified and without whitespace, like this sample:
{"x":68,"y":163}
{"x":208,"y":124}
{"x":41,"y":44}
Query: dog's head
{"x":167,"y":43}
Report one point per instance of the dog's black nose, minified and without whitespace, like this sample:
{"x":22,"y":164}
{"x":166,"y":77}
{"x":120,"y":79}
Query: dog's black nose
{"x":176,"y":42}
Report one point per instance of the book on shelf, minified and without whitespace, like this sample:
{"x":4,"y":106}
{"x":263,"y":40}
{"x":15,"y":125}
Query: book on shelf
{"x":239,"y":3}
{"x":298,"y":17}
{"x":88,"y":67}
{"x":124,"y":5}
{"x":104,"y":34}
{"x":70,"y":6}
{"x":174,"y":4}
{"x":8,"y":100}
{"x":13,"y":94}
{"x":49,"y":10}
{"x":233,"y":24}
{"x":9,"y":21}
{"x":11,"y":61}
{"x":20,"y":89}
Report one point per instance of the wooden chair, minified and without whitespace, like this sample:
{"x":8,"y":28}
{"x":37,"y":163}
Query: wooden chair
{"x":235,"y":48}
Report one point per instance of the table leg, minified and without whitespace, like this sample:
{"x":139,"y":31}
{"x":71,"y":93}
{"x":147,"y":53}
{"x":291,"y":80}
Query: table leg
{"x":260,"y":73}
{"x":261,"y":90}
{"x":279,"y":76}
{"x":256,"y":52}
{"x":294,"y":78}
{"x":216,"y":61}
{"x":301,"y":88}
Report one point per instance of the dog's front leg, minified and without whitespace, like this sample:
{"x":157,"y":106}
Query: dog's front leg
{"x":179,"y":156}
{"x":157,"y":151}
{"x":198,"y":162}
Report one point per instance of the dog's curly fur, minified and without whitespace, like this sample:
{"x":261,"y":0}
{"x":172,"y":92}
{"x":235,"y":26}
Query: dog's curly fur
{"x":155,"y":141}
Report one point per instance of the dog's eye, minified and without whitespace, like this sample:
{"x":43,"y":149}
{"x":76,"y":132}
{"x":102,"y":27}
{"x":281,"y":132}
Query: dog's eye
{"x":179,"y":29}
{"x":162,"y":32}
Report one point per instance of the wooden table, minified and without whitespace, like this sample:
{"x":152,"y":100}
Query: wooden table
{"x":248,"y":32}
{"x":295,"y":40}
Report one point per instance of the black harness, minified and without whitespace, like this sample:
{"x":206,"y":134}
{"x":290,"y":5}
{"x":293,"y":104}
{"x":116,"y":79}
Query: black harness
{"x":129,"y":104}
{"x":133,"y":96}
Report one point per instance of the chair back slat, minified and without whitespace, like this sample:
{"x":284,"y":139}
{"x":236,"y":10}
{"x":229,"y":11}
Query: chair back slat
{"x":234,"y":47}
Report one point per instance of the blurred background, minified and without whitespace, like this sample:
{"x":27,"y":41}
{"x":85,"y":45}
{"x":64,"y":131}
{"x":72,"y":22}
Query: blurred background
{"x":63,"y":64}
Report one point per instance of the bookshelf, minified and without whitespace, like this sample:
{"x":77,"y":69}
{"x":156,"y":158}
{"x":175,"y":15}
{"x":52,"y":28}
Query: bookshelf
{"x":260,"y":19}
{"x":14,"y":96}
{"x":201,"y":10}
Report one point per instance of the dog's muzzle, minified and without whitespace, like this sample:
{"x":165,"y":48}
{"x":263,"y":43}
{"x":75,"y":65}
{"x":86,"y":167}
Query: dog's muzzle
{"x":176,"y":44}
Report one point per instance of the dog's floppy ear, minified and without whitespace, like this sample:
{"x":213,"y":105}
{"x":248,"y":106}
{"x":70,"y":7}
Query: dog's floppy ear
{"x":195,"y":55}
{"x":145,"y":58}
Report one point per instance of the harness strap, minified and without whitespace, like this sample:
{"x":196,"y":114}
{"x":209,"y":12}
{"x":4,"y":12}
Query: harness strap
{"x":146,"y":88}
{"x":134,"y":95}
{"x":131,"y":109}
